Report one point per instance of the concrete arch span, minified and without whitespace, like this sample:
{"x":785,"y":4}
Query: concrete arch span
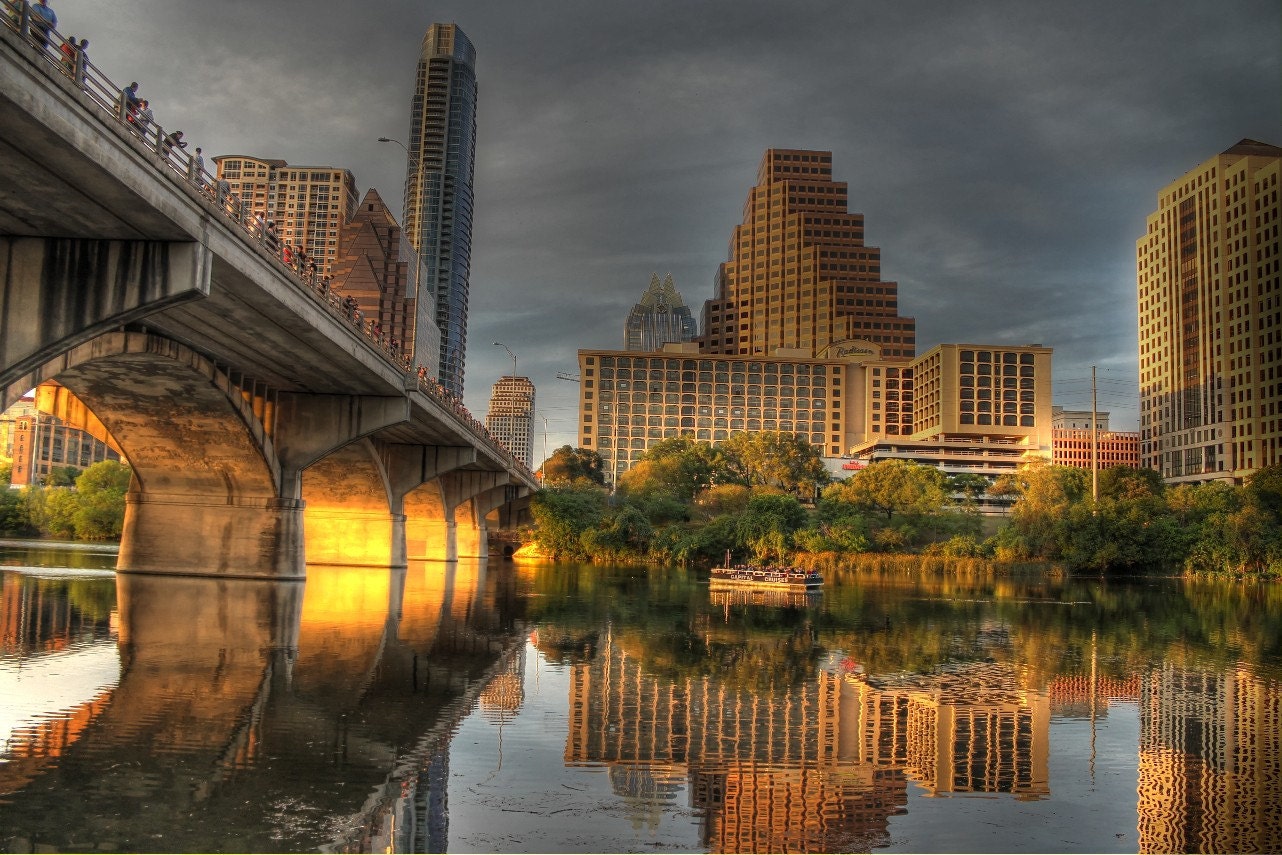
{"x":205,"y":497}
{"x":349,"y":520}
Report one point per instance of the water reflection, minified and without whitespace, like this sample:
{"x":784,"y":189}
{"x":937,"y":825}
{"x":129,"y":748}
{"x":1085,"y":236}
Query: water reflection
{"x":241,"y":714}
{"x":404,"y":710}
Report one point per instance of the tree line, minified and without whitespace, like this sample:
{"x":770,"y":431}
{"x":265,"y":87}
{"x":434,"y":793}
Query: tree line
{"x":88,"y":505}
{"x":767,"y":498}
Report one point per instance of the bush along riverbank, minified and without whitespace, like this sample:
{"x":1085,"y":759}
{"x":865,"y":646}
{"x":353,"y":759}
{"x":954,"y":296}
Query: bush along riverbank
{"x":690,"y":503}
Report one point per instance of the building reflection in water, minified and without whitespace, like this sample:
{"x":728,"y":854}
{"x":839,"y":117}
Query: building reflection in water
{"x":52,"y":636}
{"x":967,"y":728}
{"x":279,"y":719}
{"x":816,"y":766}
{"x":1210,"y":766}
{"x":770,"y":772}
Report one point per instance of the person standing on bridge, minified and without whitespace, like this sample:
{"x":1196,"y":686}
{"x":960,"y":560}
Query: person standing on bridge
{"x":196,"y":169}
{"x":142,"y":119}
{"x":129,"y":102}
{"x":68,"y":51}
{"x":43,"y":20}
{"x":172,"y":141}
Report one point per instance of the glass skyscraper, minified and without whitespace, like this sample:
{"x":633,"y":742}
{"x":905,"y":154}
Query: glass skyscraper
{"x":438,"y":184}
{"x":661,"y":316}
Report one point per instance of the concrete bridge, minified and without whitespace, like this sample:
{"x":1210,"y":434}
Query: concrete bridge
{"x":265,"y":429}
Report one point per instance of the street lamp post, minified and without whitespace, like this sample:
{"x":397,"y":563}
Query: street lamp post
{"x":398,"y":142}
{"x":509,"y":353}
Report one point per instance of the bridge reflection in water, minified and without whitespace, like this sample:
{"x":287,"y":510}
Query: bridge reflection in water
{"x":258,"y":715}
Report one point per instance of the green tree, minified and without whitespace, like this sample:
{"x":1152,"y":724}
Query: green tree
{"x":61,"y":476}
{"x":1264,"y":490}
{"x":891,"y":487}
{"x":100,"y":494}
{"x":562,"y":514}
{"x":13,"y":518}
{"x":723,"y":499}
{"x":775,"y":459}
{"x":58,"y":512}
{"x":624,"y":534}
{"x":767,"y":525}
{"x":569,"y":466}
{"x":1043,"y":495}
{"x":970,"y":486}
{"x":1126,"y":482}
{"x":677,"y":468}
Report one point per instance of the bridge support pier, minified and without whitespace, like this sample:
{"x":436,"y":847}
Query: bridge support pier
{"x":464,"y":495}
{"x":253,"y":538}
{"x":414,"y":472}
{"x":326,"y":461}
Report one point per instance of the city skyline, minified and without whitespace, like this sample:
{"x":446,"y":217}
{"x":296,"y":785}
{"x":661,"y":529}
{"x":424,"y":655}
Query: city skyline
{"x":1006,"y":156}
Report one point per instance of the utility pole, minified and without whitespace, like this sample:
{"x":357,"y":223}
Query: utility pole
{"x":1094,"y":442}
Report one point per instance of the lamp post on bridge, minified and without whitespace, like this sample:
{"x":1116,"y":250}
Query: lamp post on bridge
{"x":509,"y":353}
{"x":410,"y":160}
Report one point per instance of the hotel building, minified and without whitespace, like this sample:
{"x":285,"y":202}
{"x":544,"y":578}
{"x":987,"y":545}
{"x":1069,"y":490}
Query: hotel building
{"x":972,"y":410}
{"x":629,"y":401}
{"x":438,"y":184}
{"x":38,"y":442}
{"x":308,"y":204}
{"x":1210,"y":320}
{"x":511,"y":417}
{"x":804,"y":337}
{"x":1074,"y":440}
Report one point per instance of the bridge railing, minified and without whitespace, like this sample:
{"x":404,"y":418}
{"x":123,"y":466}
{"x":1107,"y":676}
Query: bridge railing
{"x":62,"y":56}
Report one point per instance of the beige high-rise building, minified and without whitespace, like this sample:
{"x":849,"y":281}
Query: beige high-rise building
{"x":799,"y":276}
{"x":974,"y":409}
{"x":1210,"y":320}
{"x":511,"y":416}
{"x":308,"y":204}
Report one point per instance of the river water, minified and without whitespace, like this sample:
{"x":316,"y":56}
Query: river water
{"x":553,"y":708}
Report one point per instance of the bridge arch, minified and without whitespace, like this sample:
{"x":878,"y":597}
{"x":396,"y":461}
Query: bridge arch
{"x":349,"y":519}
{"x":178,"y":418}
{"x":429,"y":523}
{"x":205,"y":496}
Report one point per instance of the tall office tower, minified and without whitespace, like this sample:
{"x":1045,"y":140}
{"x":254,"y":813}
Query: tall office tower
{"x":378,"y":268}
{"x":438,"y":184}
{"x":661,"y":317}
{"x":799,"y":277}
{"x":511,"y":416}
{"x":308,"y":204}
{"x":1210,"y":320}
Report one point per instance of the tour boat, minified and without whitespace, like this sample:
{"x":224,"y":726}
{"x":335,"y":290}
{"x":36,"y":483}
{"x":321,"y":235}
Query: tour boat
{"x":752,"y":576}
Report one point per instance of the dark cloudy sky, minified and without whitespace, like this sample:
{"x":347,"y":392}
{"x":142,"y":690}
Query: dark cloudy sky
{"x":1004,"y":154}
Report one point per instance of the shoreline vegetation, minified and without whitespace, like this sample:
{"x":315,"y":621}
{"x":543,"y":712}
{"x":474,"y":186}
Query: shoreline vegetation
{"x":766,"y":499}
{"x":86,"y":505}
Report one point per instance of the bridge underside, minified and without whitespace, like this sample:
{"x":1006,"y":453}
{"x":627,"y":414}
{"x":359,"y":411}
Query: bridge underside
{"x":231,"y":482}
